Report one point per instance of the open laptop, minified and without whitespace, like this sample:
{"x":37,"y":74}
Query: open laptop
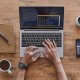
{"x":40,"y":23}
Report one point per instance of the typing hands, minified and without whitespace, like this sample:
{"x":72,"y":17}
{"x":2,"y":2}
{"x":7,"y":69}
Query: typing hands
{"x":50,"y":52}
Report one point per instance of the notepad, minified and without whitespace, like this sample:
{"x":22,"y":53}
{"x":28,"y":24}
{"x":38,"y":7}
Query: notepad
{"x":8,"y":32}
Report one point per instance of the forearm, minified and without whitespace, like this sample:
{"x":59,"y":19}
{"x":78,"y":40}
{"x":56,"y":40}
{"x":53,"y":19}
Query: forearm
{"x":60,"y":71}
{"x":21,"y":75}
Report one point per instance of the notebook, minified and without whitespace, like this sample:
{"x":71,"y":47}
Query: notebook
{"x":8,"y":32}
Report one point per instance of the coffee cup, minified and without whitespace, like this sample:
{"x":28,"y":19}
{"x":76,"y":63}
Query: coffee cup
{"x":5,"y":66}
{"x":78,"y":21}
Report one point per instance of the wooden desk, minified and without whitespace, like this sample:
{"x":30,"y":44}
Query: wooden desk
{"x":42,"y":69}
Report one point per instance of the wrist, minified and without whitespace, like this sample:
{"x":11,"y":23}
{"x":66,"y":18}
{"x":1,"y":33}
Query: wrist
{"x":22,"y":66}
{"x":57,"y":64}
{"x":25,"y":62}
{"x":56,"y":61}
{"x":22,"y":70}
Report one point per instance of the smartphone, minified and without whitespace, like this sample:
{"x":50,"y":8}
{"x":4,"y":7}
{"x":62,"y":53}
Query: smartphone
{"x":78,"y":48}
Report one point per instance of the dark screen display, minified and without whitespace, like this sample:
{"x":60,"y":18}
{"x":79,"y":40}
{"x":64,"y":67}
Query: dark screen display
{"x":41,"y":17}
{"x":78,"y":48}
{"x":78,"y":42}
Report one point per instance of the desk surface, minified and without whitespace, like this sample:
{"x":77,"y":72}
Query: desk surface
{"x":42,"y":69}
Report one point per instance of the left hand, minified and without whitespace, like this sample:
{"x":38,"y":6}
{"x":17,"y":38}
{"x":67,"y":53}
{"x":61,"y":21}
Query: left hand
{"x":31,"y":55}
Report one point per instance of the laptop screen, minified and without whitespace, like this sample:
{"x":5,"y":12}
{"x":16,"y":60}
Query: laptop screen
{"x":41,"y":17}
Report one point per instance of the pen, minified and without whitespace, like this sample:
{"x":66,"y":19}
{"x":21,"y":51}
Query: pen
{"x":5,"y":38}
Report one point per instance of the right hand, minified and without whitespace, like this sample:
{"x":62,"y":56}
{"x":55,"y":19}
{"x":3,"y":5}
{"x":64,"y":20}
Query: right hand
{"x":31,"y":55}
{"x":51,"y":51}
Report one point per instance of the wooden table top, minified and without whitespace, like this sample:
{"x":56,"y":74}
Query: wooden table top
{"x":42,"y":69}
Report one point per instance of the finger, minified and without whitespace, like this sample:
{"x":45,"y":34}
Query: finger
{"x":34,"y":59}
{"x":50,"y":43}
{"x":33,"y":49}
{"x":46,"y":47}
{"x":54,"y":44}
{"x":36,"y":53}
{"x":47,"y":43}
{"x":30,"y":47}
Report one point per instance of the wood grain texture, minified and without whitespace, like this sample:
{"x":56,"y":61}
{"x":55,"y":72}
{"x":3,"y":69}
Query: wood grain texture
{"x":42,"y":69}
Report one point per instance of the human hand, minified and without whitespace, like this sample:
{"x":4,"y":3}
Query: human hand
{"x":51,"y":52}
{"x":31,"y":55}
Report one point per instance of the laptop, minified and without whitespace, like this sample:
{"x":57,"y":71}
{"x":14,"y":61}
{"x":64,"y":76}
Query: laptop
{"x":40,"y":23}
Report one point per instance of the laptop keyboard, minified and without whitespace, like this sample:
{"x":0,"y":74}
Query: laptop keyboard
{"x":36,"y":39}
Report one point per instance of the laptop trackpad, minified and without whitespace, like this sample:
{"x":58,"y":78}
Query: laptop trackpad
{"x":41,"y":50}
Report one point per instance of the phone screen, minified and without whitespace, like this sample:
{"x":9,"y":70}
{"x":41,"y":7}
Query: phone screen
{"x":78,"y":47}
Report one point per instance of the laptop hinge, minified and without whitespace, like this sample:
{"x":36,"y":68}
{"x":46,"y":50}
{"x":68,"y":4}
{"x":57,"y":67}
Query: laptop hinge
{"x":41,"y":30}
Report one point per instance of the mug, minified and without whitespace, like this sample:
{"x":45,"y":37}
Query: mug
{"x":78,"y":21}
{"x":5,"y":66}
